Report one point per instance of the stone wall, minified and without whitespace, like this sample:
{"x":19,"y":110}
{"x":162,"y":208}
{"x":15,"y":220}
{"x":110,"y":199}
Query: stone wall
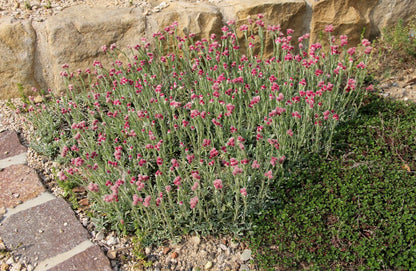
{"x":32,"y":53}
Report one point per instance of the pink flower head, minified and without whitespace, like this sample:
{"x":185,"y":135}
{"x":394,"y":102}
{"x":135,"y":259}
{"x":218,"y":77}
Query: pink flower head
{"x":368,"y":50}
{"x":213,"y":153}
{"x":244,"y":27}
{"x":177,"y":181}
{"x":195,"y":175}
{"x":231,"y":22}
{"x":62,"y":176}
{"x":255,"y":164}
{"x":93,"y":187}
{"x":243,"y":192}
{"x":218,"y":184}
{"x":175,"y":163}
{"x":351,"y":51}
{"x":370,"y":88}
{"x":237,"y":171}
{"x":329,"y":28}
{"x":289,"y":132}
{"x":231,"y":142}
{"x":268,"y":174}
{"x":190,"y":158}
{"x":195,"y":186}
{"x":206,"y":142}
{"x":193,"y":202}
{"x":361,"y":65}
{"x":136,"y":200}
{"x":273,"y":161}
{"x":365,"y":42}
{"x":146,"y":202}
{"x":64,"y":152}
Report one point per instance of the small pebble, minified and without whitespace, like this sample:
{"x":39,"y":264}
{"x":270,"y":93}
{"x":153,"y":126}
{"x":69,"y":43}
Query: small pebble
{"x":244,"y":267}
{"x":99,"y":236}
{"x":174,"y":255}
{"x":112,"y":241}
{"x":16,"y":267}
{"x":246,"y":255}
{"x":208,"y":265}
{"x":112,"y":254}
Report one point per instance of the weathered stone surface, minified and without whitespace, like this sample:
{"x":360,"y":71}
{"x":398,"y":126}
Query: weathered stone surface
{"x":349,"y":17}
{"x":76,"y":36}
{"x":293,"y":14}
{"x":18,"y":183}
{"x":200,"y":19}
{"x":286,"y":13}
{"x":90,"y":259}
{"x":10,"y":145}
{"x":43,"y":231}
{"x":388,"y":13}
{"x":17,"y":46}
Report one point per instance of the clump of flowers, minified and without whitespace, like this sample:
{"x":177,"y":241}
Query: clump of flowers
{"x":196,"y":137}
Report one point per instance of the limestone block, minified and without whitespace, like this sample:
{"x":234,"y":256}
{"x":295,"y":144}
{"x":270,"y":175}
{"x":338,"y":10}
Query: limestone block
{"x":17,"y":45}
{"x":387,"y":13}
{"x":76,"y":36}
{"x":349,"y":17}
{"x":293,"y":14}
{"x":200,"y":19}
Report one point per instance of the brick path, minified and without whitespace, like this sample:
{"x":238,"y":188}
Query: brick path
{"x":35,"y":225}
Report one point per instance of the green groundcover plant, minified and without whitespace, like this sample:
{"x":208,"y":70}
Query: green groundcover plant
{"x":192,"y":136}
{"x":353,"y":210}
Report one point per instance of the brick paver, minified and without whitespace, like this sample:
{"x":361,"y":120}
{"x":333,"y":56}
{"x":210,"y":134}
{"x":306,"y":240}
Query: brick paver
{"x":90,"y":259}
{"x":10,"y":145}
{"x":18,"y":183}
{"x":44,"y":229}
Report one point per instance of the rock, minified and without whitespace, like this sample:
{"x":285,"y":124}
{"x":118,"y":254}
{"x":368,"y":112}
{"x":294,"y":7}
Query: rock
{"x":348,"y":17}
{"x":84,"y":202}
{"x":200,"y":19}
{"x":166,"y":250}
{"x":111,"y":241}
{"x":223,"y":247}
{"x":2,"y":246}
{"x":16,"y":267}
{"x":99,"y":236}
{"x":208,"y":265}
{"x":244,"y":267}
{"x":286,"y":13}
{"x":10,"y":261}
{"x":76,"y":35}
{"x":17,"y":54}
{"x":85,"y":221}
{"x":195,"y":240}
{"x":4,"y":267}
{"x":174,"y":255}
{"x":387,"y":13}
{"x":29,"y":267}
{"x":112,"y":254}
{"x":246,"y":255}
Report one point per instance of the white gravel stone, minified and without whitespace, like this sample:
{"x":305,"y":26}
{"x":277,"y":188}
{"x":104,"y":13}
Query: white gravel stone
{"x":246,"y":255}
